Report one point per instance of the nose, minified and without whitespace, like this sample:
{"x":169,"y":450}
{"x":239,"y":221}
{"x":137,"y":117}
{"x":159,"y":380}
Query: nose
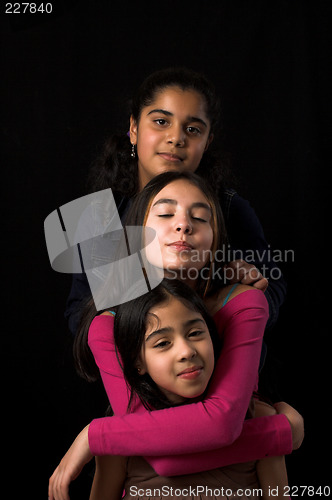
{"x":183,"y":225}
{"x":186,"y":350}
{"x":176,"y":136}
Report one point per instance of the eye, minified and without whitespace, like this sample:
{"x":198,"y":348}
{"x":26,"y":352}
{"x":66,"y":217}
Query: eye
{"x":160,"y":121}
{"x":193,"y":130}
{"x":165,"y":215}
{"x":196,"y":333}
{"x":162,"y":344}
{"x":200,"y":219}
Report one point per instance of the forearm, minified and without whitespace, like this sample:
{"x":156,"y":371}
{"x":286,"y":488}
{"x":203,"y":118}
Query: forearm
{"x":260,"y":437}
{"x":272,"y":476}
{"x":109,"y":478}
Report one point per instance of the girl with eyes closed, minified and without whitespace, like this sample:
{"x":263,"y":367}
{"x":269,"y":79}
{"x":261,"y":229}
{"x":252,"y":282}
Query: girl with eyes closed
{"x":184,"y":212}
{"x":173,"y":123}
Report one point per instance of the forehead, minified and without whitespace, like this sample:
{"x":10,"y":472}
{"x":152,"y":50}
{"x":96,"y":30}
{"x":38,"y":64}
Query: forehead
{"x":182,"y":190}
{"x":172,"y":313}
{"x":179,"y":102}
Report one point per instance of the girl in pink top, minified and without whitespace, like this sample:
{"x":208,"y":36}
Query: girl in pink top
{"x":179,"y":440}
{"x":168,"y":363}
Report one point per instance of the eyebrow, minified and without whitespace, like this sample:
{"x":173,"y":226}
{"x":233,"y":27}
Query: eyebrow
{"x":198,"y":204}
{"x":189,"y":118}
{"x":168,"y":329}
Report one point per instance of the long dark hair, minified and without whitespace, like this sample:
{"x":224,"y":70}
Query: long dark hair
{"x":116,"y":168}
{"x":130,"y":326}
{"x":84,"y":361}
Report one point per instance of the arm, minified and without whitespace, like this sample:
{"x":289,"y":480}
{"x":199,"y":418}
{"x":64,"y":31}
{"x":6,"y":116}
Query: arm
{"x":109,"y":478}
{"x":271,"y":471}
{"x":213,"y":423}
{"x":248,"y":242}
{"x":79,"y":453}
{"x":79,"y":292}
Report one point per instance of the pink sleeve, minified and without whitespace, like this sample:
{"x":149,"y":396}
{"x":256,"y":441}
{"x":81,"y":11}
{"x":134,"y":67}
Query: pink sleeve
{"x":213,"y":423}
{"x":260,"y":438}
{"x":101,"y":343}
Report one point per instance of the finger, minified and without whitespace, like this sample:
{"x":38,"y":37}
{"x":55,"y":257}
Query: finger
{"x":51,"y":485}
{"x":281,"y":406}
{"x":62,"y":486}
{"x":251,"y":276}
{"x":236,"y":271}
{"x":261,"y":284}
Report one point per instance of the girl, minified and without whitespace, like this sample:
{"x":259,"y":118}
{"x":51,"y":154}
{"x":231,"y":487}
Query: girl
{"x":173,"y":120}
{"x":182,"y":209}
{"x":168,"y":363}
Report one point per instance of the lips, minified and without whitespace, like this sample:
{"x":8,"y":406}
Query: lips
{"x":191,"y":372}
{"x":181,"y":245}
{"x":170,"y":157}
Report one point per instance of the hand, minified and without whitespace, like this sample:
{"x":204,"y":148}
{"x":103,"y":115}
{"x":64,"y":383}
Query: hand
{"x":295,"y":420}
{"x":70,"y":467}
{"x":239,"y":271}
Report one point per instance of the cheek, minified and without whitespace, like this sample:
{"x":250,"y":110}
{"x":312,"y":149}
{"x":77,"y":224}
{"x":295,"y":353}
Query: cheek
{"x":158,"y":368}
{"x":197,"y":152}
{"x":206,"y":238}
{"x":145,"y":140}
{"x":209,"y":358}
{"x":153,"y":250}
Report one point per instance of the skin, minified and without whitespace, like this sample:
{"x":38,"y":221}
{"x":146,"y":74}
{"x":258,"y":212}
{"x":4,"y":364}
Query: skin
{"x":181,"y":216}
{"x":177,"y":351}
{"x":172,"y":134}
{"x":168,"y":141}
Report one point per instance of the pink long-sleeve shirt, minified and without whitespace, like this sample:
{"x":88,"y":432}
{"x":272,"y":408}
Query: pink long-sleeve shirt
{"x":200,"y":436}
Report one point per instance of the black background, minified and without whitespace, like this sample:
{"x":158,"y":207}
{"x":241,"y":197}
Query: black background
{"x":66,"y":78}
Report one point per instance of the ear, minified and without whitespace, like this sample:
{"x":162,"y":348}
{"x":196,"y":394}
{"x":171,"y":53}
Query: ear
{"x":208,"y":142}
{"x":133,"y":130}
{"x":141,"y":368}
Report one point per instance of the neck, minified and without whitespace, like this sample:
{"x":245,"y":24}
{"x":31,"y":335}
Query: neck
{"x":142,"y":179}
{"x":181,"y":276}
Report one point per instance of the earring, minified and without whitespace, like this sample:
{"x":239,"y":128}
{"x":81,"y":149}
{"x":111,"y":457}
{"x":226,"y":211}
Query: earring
{"x":133,"y":154}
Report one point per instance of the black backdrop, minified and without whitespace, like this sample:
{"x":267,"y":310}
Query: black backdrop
{"x":66,"y":77}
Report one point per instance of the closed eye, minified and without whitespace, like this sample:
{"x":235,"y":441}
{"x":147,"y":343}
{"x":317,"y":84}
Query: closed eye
{"x":200,"y":219}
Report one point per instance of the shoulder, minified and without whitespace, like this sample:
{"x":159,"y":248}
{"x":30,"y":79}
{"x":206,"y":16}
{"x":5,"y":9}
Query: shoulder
{"x":242,"y":297}
{"x":238,"y":290}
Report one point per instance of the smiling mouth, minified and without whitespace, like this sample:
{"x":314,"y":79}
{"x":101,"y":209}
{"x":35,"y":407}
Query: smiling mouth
{"x":191,"y":373}
{"x":170,"y":157}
